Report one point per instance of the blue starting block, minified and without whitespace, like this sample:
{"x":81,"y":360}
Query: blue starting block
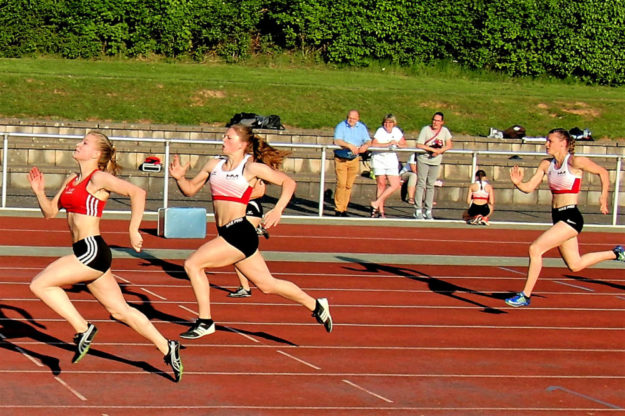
{"x":182,"y":222}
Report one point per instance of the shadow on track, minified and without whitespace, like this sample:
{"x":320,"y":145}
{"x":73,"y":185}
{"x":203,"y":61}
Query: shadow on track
{"x":436,"y":285}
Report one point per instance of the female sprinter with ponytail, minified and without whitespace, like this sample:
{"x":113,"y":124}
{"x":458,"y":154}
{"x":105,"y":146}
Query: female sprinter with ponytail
{"x":246,"y":160}
{"x":564,"y":174}
{"x":83,"y":196}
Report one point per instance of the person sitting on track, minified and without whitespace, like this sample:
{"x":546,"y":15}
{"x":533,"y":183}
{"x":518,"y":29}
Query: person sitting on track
{"x":564,"y":173}
{"x":83,"y":195}
{"x":481,"y":200}
{"x":231,"y":179}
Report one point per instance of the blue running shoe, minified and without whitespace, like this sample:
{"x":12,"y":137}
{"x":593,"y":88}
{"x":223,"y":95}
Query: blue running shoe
{"x":518,"y":300}
{"x":619,"y":251}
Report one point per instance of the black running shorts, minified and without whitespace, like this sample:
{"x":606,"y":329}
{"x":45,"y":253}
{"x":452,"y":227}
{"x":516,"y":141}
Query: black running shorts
{"x":240,"y":234}
{"x":482,"y":210}
{"x":254,"y":209}
{"x":569,"y":215}
{"x":93,"y":252}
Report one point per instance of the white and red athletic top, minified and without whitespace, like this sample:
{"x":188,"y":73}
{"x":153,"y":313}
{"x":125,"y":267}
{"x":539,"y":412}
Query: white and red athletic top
{"x":562,"y":181}
{"x":230,"y":185}
{"x":75,"y":198}
{"x":481,"y":192}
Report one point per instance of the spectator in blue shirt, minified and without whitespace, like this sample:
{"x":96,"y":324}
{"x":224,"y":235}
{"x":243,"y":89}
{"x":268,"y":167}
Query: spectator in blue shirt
{"x":353,"y":137}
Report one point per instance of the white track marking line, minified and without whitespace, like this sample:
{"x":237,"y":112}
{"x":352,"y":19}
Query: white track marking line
{"x":153,"y":294}
{"x":299,"y":360}
{"x":189,"y":310}
{"x":386,"y":325}
{"x":24,"y":353}
{"x":140,"y":287}
{"x":294,"y":409}
{"x":352,"y":374}
{"x":584,"y":396}
{"x":242,"y":334}
{"x":122,"y":279}
{"x":367,"y":391}
{"x":70,"y":388}
{"x":366,"y":347}
{"x":510,"y":270}
{"x":575,"y":286}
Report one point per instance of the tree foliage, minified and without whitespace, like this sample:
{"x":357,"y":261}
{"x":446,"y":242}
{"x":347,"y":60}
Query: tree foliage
{"x":583,"y":39}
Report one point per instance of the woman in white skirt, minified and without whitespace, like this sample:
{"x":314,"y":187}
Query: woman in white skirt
{"x":386,"y":164}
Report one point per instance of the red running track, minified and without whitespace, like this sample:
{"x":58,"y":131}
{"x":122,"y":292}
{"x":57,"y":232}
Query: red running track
{"x":409,"y":339}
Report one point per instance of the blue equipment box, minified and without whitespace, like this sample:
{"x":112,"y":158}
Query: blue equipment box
{"x":182,"y":222}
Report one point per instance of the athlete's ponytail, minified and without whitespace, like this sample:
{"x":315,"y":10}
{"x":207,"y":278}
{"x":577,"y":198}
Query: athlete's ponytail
{"x":480,"y":174}
{"x":108,"y":154}
{"x":260,"y":150}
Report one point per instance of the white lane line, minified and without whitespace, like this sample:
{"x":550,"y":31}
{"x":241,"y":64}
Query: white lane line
{"x":153,"y":294}
{"x":295,"y":409}
{"x":575,"y":286}
{"x":242,"y":334}
{"x":187,"y":309}
{"x":299,"y":360}
{"x":70,"y":388}
{"x":122,"y":279}
{"x":367,"y":391}
{"x":323,"y":374}
{"x":584,"y":396}
{"x":510,"y":270}
{"x":382,"y":325}
{"x":24,"y":353}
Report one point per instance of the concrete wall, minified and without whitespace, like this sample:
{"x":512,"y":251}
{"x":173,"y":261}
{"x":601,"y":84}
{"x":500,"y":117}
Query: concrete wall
{"x":53,"y":156}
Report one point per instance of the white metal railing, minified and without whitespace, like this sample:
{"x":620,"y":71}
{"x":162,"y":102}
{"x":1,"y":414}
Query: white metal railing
{"x":323,"y":158}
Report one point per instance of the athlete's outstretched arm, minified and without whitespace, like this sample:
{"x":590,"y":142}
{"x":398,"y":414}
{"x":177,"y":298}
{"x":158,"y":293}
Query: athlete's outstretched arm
{"x":49,"y":207}
{"x":190,"y":187}
{"x":516,"y":176}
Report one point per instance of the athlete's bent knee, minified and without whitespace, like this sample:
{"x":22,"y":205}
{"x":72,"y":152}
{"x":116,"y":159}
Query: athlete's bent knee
{"x":576,"y":267}
{"x":535,"y":251}
{"x":268,"y":288}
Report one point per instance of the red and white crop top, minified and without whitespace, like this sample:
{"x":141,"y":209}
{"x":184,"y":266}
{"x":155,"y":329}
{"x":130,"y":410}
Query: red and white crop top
{"x":230,"y":185}
{"x":481,"y":192}
{"x":75,"y":198}
{"x":562,"y":181}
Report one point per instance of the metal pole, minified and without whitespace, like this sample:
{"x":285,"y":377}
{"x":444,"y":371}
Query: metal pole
{"x":473,"y":167}
{"x":617,"y":186}
{"x":5,"y":163}
{"x":166,"y":177}
{"x":322,"y":180}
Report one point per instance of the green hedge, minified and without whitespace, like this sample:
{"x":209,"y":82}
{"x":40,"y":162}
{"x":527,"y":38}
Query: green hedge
{"x":583,"y":39}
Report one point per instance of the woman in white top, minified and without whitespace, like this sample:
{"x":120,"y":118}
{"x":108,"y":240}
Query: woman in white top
{"x":247,"y":159}
{"x":386,"y":164}
{"x":564,"y":173}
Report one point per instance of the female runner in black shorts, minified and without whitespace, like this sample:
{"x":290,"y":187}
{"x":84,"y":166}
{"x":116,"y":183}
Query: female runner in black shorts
{"x":564,"y":171}
{"x":232,"y":179}
{"x":83,"y":196}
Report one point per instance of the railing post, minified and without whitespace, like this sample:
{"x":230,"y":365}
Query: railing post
{"x":166,"y":177}
{"x":5,"y":164}
{"x":617,"y":186}
{"x":473,"y":167}
{"x":322,"y":180}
